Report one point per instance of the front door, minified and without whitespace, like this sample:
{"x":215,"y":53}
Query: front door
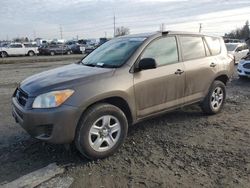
{"x":16,"y":49}
{"x":161,"y":88}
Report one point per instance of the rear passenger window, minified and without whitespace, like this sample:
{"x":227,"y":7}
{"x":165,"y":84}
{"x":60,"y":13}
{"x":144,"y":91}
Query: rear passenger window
{"x":192,"y":47}
{"x":163,"y":50}
{"x":214,"y":45}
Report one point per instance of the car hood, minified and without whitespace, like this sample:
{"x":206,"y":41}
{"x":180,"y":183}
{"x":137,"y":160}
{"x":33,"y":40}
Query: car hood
{"x":65,"y":77}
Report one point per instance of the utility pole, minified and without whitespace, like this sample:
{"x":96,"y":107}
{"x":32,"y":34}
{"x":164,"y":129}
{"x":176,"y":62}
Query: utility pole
{"x":105,"y":34}
{"x":200,"y":28}
{"x":34,"y":34}
{"x":61,"y":32}
{"x":114,"y":25}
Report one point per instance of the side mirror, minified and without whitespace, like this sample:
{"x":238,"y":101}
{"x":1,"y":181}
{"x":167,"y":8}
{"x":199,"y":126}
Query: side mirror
{"x":146,"y":63}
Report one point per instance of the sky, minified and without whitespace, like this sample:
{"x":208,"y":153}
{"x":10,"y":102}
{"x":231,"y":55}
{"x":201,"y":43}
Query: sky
{"x":94,"y":18}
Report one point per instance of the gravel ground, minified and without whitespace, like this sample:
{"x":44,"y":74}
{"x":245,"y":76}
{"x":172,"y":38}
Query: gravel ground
{"x":183,"y":148}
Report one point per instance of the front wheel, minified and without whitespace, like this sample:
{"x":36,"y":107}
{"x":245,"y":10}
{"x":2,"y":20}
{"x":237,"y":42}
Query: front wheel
{"x":4,"y":54}
{"x":215,"y":98}
{"x":101,"y":131}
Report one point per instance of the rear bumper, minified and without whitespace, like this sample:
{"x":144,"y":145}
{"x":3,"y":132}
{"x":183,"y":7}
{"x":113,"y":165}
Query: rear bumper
{"x":55,"y":125}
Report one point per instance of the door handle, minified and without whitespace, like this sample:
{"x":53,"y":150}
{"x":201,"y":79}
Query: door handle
{"x":212,"y":65}
{"x":179,"y":71}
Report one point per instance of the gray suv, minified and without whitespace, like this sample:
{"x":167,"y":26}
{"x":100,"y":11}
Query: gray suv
{"x":122,"y":82}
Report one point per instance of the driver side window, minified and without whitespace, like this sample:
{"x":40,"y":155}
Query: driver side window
{"x":163,"y":50}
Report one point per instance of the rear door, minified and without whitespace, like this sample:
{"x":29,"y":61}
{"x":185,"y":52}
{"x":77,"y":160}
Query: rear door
{"x":200,"y":66}
{"x":161,"y":88}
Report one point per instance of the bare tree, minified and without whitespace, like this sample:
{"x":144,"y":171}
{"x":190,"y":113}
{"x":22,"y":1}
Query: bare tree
{"x":121,"y":31}
{"x":240,"y":33}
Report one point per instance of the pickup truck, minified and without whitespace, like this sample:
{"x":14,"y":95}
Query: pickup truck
{"x":17,"y":49}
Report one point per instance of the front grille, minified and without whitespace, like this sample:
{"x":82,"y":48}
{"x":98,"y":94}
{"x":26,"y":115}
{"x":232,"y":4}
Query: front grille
{"x":21,"y":97}
{"x":247,"y":72}
{"x":246,"y":66}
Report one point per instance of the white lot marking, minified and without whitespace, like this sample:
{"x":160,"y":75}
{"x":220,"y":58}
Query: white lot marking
{"x":57,"y":182}
{"x":35,"y":178}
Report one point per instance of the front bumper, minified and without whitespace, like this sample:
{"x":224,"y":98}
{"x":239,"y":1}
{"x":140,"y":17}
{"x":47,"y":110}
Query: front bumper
{"x":243,"y":71}
{"x":55,"y":125}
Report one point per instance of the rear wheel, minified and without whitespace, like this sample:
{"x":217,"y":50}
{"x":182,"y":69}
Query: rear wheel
{"x":31,"y":53}
{"x":215,"y":98}
{"x":4,"y":54}
{"x":101,"y":131}
{"x":52,"y":53}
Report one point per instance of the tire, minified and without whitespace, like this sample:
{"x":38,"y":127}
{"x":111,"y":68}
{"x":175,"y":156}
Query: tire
{"x":4,"y":54}
{"x":242,"y":77}
{"x":31,"y":53}
{"x":215,"y":98}
{"x":52,"y":53}
{"x":92,"y":138}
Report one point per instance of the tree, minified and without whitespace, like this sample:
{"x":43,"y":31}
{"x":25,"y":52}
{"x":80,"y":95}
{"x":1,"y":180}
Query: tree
{"x":26,"y":39}
{"x":240,"y":33}
{"x":245,"y":30}
{"x":121,"y":31}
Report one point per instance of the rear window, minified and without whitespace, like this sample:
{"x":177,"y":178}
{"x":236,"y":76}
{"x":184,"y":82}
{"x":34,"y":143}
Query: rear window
{"x":214,"y":45}
{"x":192,"y":47}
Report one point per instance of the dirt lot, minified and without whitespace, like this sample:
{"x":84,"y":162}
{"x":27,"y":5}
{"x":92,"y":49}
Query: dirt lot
{"x":181,"y":149}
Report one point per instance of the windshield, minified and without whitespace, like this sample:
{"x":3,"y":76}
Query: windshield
{"x":113,"y":53}
{"x":231,"y":47}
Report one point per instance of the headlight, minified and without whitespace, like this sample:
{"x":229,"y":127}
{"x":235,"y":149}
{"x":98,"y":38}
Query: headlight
{"x":52,"y":99}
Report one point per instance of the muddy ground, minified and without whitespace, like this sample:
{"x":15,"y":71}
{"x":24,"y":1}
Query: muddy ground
{"x":183,"y":148}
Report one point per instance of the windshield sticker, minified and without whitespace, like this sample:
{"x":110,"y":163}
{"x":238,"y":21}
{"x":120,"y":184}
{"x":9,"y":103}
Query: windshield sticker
{"x":100,"y":64}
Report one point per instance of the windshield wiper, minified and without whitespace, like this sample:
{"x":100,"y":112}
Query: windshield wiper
{"x":89,"y":64}
{"x":107,"y":66}
{"x":99,"y":65}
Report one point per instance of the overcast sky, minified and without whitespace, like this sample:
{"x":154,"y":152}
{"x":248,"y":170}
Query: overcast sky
{"x":92,"y":18}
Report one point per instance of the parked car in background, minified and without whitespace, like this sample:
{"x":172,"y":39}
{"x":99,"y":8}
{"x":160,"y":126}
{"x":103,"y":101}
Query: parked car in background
{"x":232,"y":40}
{"x":122,"y":82}
{"x":238,"y":50}
{"x":244,"y":67}
{"x":53,"y":49}
{"x":83,"y":48}
{"x":74,"y":46}
{"x":89,"y":49}
{"x":18,"y":49}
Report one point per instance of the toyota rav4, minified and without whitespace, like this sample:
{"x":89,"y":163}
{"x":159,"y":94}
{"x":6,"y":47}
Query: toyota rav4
{"x":122,"y":82}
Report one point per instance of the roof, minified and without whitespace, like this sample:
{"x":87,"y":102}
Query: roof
{"x":147,"y":35}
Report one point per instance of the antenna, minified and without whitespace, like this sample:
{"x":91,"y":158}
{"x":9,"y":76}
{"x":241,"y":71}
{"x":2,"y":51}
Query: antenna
{"x":162,"y":27}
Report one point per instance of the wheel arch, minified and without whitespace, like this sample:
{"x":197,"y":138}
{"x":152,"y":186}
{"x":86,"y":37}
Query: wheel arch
{"x":223,"y":78}
{"x":31,"y":51}
{"x":4,"y":52}
{"x":118,"y":102}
